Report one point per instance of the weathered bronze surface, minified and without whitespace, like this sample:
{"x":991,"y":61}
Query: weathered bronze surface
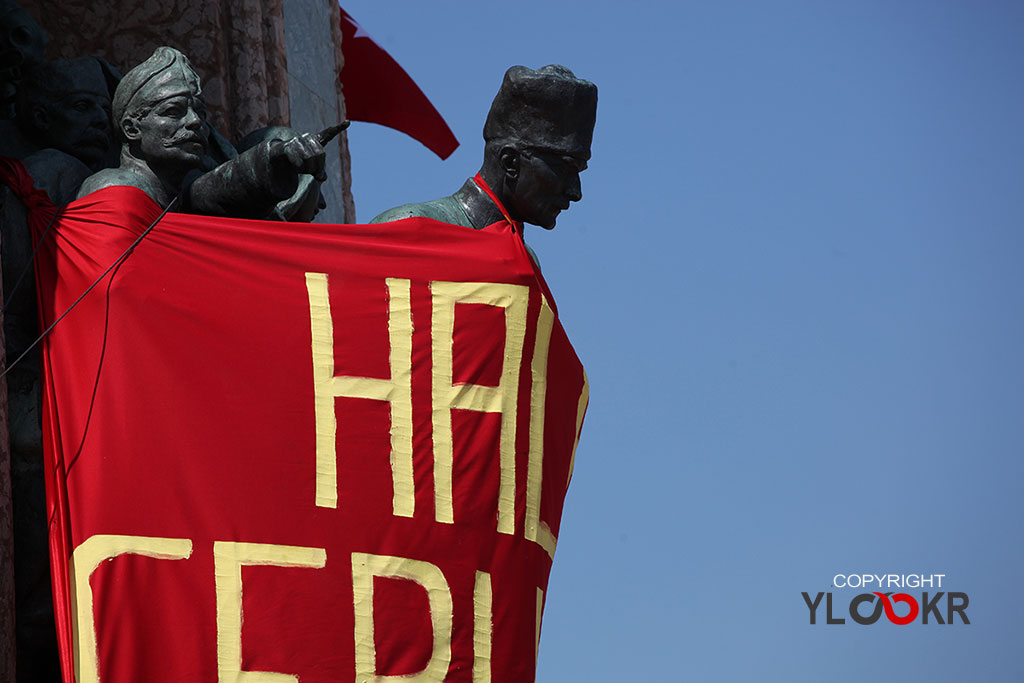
{"x":65,"y":105}
{"x":537,"y":142}
{"x":308,"y":200}
{"x":62,"y":131}
{"x":160,"y":118}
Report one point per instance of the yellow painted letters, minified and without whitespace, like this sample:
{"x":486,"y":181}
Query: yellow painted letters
{"x":228,"y":559}
{"x":536,"y":530}
{"x":397,"y":391}
{"x":427,"y":575}
{"x":84,"y":561}
{"x":501,"y":399}
{"x":483,"y":627}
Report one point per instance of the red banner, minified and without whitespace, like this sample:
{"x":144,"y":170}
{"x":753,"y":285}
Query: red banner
{"x":285,"y":452}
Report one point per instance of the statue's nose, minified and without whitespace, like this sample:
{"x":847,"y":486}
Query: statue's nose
{"x":101,"y":120}
{"x":575,"y":191}
{"x":192,"y":119}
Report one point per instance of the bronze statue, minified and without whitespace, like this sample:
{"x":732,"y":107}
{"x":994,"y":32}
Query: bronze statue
{"x":537,"y":142}
{"x":308,"y":200}
{"x":65,"y":105}
{"x":61,"y":132}
{"x":63,"y":115}
{"x":160,"y":118}
{"x":22,"y":44}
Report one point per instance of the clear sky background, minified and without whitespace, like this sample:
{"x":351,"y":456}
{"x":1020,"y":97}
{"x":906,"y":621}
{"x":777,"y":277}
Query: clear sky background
{"x":795,"y":280}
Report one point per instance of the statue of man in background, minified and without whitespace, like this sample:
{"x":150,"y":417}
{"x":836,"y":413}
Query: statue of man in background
{"x":537,"y":142}
{"x":160,"y":118}
{"x":62,"y":132}
{"x":65,"y":105}
{"x":22,"y":44}
{"x":63,"y":117}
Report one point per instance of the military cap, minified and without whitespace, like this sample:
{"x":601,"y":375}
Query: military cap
{"x":164,"y":66}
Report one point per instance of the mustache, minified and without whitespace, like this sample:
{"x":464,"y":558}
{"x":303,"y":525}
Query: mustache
{"x":183,"y":136}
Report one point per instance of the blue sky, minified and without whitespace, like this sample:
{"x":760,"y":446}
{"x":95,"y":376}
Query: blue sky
{"x":795,"y":282}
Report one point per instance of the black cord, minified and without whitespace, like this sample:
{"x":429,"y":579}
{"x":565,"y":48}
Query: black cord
{"x":120,"y":259}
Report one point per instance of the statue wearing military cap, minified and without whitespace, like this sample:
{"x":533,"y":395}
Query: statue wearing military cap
{"x":537,"y":141}
{"x":160,"y":117}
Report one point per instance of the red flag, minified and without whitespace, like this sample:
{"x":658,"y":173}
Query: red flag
{"x":326,"y":452}
{"x":378,"y":90}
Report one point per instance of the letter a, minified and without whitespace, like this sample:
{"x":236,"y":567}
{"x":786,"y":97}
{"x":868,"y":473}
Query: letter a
{"x":501,"y":399}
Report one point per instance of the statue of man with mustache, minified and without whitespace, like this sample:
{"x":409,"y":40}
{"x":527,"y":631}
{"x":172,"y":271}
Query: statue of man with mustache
{"x":160,"y":118}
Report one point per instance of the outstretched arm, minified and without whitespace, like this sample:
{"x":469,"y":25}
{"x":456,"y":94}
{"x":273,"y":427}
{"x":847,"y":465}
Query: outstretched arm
{"x":251,"y":184}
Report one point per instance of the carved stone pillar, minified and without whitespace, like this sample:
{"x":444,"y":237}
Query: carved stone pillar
{"x":314,"y":91}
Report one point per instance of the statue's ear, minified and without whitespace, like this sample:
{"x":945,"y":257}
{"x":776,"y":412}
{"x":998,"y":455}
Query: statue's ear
{"x":130,"y":129}
{"x":509,"y":159}
{"x":40,"y":119}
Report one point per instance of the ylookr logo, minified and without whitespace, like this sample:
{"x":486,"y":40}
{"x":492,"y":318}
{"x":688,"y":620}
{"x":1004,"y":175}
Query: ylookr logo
{"x":867,"y":608}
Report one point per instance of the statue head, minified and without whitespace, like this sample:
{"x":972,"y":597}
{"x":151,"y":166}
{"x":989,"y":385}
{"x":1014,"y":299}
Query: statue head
{"x":160,"y":114}
{"x":308,"y":200}
{"x":65,"y":105}
{"x":538,"y":134}
{"x":22,"y":44}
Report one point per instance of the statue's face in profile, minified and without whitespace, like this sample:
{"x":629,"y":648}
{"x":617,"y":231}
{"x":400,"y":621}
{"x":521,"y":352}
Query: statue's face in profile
{"x":173,"y":131}
{"x":547,"y":182}
{"x":79,"y":124}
